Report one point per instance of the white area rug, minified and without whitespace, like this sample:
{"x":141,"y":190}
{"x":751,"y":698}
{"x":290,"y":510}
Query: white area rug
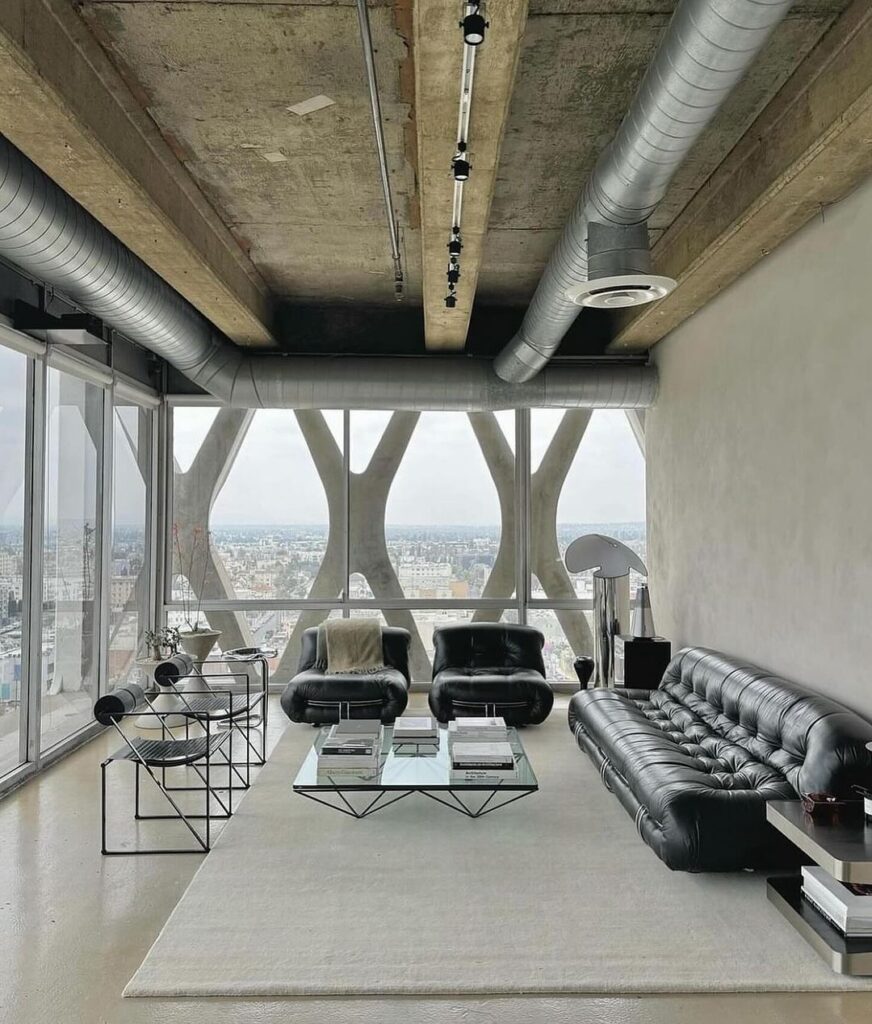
{"x":554,"y":894}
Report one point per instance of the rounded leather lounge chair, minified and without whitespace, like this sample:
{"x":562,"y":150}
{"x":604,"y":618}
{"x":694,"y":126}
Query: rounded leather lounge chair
{"x":490,"y":668}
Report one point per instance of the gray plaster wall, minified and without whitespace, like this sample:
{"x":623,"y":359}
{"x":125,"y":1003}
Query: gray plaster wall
{"x":759,"y":463}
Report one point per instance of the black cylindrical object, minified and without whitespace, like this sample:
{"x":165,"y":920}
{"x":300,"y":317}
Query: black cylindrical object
{"x":117,"y":703}
{"x":179,"y":666}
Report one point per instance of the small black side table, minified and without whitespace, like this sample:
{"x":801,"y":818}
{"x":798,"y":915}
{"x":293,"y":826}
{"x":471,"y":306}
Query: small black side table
{"x":845,"y":851}
{"x":641,"y":662}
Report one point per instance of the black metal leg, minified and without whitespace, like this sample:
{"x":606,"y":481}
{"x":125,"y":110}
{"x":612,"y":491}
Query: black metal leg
{"x":376,"y":804}
{"x":178,"y":816}
{"x":462,"y":808}
{"x":103,"y":807}
{"x":208,"y":788}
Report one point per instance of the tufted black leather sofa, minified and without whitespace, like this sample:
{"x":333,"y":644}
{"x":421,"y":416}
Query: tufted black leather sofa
{"x":313,"y":696}
{"x":490,"y":665}
{"x":695,"y":760}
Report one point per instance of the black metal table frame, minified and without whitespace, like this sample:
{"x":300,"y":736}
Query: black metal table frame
{"x":378,"y":803}
{"x":429,"y":791}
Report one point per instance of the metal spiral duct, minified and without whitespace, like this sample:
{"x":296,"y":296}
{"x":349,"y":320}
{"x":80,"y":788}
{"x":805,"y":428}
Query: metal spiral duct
{"x":707,"y":48}
{"x":48,"y":235}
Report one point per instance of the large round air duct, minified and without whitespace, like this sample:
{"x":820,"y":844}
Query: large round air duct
{"x":706,"y":49}
{"x":47,"y":234}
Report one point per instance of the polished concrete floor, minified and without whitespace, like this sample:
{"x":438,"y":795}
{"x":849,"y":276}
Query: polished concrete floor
{"x":74,"y":926}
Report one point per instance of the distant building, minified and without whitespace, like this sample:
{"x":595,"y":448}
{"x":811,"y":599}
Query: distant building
{"x":122,"y":590}
{"x":425,"y":579}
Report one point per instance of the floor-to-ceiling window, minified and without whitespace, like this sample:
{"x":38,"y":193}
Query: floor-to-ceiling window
{"x":587,"y":475}
{"x":257,"y":518}
{"x":281,"y":518}
{"x":129,"y":573}
{"x":77,"y":472}
{"x":13,"y":628}
{"x":71,"y":554}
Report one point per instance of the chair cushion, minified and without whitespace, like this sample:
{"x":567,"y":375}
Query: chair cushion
{"x":521,"y":696}
{"x":313,"y":696}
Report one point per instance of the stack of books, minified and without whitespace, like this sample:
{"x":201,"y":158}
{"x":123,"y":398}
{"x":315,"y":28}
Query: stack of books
{"x":352,"y":746}
{"x":479,"y":761}
{"x":491,"y":730}
{"x":408,"y":729}
{"x":847,"y":906}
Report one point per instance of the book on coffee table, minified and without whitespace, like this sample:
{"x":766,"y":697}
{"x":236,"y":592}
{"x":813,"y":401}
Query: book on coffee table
{"x":411,"y":729}
{"x":482,"y":756}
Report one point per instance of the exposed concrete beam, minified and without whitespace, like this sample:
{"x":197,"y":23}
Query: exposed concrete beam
{"x":438,"y":56}
{"x":809,"y":147}
{"x":64,"y":105}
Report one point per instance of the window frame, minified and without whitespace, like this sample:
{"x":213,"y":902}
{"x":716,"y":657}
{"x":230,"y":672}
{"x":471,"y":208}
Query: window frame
{"x":521,"y":602}
{"x":41,"y":357}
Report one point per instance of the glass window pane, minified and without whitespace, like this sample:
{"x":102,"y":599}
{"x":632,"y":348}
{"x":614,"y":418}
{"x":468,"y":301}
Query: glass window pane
{"x":593,"y":482}
{"x":567,"y":636}
{"x":432,"y":505}
{"x":129,"y":574}
{"x":588,"y":476}
{"x":71,"y":555}
{"x":277,"y":629}
{"x":252,"y":518}
{"x":13,"y":412}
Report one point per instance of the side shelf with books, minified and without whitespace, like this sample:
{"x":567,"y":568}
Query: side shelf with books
{"x":824,"y":900}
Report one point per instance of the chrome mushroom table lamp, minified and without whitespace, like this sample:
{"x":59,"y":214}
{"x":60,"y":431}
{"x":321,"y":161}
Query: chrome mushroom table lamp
{"x":611,"y":561}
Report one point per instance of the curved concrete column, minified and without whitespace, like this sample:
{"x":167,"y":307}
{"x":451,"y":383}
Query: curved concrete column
{"x":194,"y":493}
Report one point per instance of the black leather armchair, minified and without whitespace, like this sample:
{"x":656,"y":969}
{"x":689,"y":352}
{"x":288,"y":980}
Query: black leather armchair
{"x":694,"y":761}
{"x":490,"y":668}
{"x":315,"y":697}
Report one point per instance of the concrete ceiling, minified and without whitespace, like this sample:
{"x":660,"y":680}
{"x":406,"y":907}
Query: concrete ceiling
{"x":216,"y":78}
{"x":581,"y":62}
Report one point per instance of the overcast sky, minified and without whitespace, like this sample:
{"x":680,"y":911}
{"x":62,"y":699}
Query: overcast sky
{"x":443,"y":479}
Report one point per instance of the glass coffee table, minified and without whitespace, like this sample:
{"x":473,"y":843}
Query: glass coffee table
{"x":412,"y":768}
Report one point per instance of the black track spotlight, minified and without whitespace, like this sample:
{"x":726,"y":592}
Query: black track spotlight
{"x":453,"y":275}
{"x":454,"y":247}
{"x":450,"y":301}
{"x":473,"y":29}
{"x":460,"y":169}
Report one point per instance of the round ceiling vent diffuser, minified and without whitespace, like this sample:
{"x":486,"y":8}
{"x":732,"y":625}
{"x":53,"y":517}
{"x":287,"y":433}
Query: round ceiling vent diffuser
{"x":621,"y":292}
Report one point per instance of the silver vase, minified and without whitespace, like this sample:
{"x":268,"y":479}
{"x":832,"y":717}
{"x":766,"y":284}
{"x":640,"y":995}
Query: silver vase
{"x":643,"y":619}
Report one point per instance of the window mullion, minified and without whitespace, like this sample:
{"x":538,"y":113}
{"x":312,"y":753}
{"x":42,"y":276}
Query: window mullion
{"x":34,"y":544}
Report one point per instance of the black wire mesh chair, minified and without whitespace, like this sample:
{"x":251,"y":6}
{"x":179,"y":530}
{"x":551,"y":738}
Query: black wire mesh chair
{"x":248,"y":716}
{"x":156,"y":756}
{"x":238,"y":712}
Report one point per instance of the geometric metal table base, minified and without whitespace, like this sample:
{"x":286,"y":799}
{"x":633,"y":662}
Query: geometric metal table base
{"x":380,"y":800}
{"x":484,"y":808}
{"x":375,"y":803}
{"x":404,"y":769}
